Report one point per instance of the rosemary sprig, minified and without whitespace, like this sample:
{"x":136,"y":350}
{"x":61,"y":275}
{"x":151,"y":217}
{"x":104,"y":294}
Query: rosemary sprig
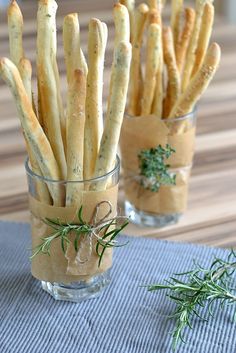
{"x":153,"y":169}
{"x":105,"y":233}
{"x":201,"y":288}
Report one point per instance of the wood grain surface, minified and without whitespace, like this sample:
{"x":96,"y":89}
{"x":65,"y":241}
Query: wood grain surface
{"x":211,"y":215}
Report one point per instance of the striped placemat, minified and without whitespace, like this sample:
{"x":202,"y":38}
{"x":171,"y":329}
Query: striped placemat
{"x":124,"y":319}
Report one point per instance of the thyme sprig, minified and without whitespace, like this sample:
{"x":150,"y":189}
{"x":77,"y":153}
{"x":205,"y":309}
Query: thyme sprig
{"x":200,"y":289}
{"x":104,"y":231}
{"x":154,"y":171}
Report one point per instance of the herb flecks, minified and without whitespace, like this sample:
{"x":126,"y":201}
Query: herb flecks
{"x":200,"y":289}
{"x":104,"y":231}
{"x":154,"y":171}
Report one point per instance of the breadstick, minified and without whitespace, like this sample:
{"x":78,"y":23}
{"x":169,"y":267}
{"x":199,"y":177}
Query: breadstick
{"x":115,"y":111}
{"x":152,"y":4}
{"x":204,"y":36}
{"x":191,"y":53}
{"x":130,"y":5}
{"x":176,"y":9}
{"x":183,"y":43}
{"x":173,"y":87}
{"x":136,"y":80}
{"x":199,"y":83}
{"x":154,"y":16}
{"x":74,"y":57}
{"x":15,"y":29}
{"x":25,"y":70}
{"x":94,"y":110}
{"x":152,"y":64}
{"x":121,"y":21}
{"x":49,"y":105}
{"x":75,"y":135}
{"x":32,"y":130}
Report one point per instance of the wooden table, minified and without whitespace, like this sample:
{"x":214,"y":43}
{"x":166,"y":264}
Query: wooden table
{"x":211,"y":215}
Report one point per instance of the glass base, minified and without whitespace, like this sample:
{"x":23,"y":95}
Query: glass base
{"x":150,"y":219}
{"x":78,"y":291}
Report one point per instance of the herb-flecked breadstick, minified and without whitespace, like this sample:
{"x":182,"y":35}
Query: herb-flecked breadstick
{"x":25,"y":70}
{"x":136,"y":80}
{"x":204,"y":36}
{"x":191,"y":53}
{"x":154,"y":16}
{"x":183,"y":43}
{"x":49,"y":106}
{"x":33,"y":132}
{"x":115,"y":110}
{"x":122,"y":24}
{"x":173,"y":87}
{"x":15,"y":29}
{"x":75,"y":135}
{"x":94,"y":110}
{"x":73,"y":53}
{"x":199,"y":83}
{"x":152,"y":65}
{"x":130,"y":5}
{"x":176,"y":9}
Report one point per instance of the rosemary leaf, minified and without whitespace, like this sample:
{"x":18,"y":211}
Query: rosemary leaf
{"x":199,"y":288}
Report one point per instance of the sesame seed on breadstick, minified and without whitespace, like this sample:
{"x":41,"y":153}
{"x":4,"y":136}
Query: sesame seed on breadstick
{"x":94,"y":109}
{"x":49,"y":105}
{"x":136,"y":79}
{"x":173,"y":86}
{"x":152,"y":65}
{"x":115,"y":110}
{"x":204,"y":36}
{"x":33,"y":132}
{"x":199,"y":83}
{"x":15,"y":30}
{"x":183,"y":43}
{"x":75,"y":135}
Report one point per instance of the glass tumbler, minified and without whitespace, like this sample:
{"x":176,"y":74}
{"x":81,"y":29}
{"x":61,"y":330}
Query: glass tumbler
{"x":69,"y":273}
{"x":165,"y":206}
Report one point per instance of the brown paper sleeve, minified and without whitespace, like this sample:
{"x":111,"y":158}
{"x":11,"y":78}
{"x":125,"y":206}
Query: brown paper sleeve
{"x":145,"y":132}
{"x":168,"y":200}
{"x":65,"y":269}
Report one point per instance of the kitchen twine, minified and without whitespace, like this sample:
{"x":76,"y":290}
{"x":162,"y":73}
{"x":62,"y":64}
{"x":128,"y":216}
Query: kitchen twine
{"x":96,"y":226}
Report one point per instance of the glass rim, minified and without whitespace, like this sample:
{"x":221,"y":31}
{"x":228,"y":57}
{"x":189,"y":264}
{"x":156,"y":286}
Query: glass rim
{"x":179,"y":118}
{"x":30,"y":172}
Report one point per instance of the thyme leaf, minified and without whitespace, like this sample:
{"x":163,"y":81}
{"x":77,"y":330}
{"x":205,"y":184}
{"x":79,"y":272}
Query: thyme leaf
{"x":154,"y":171}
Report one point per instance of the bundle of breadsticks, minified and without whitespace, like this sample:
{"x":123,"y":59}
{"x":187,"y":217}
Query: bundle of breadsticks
{"x":179,"y":61}
{"x":172,"y":66}
{"x":68,"y":144}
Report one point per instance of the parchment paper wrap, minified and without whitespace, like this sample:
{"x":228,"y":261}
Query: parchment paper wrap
{"x":65,"y":269}
{"x":168,"y":200}
{"x":145,"y":132}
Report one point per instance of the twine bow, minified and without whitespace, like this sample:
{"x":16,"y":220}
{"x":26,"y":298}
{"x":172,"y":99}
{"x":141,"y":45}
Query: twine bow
{"x":96,"y":227}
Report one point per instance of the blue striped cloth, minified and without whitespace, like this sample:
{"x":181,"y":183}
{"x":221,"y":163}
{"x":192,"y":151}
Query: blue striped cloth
{"x":124,"y":319}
